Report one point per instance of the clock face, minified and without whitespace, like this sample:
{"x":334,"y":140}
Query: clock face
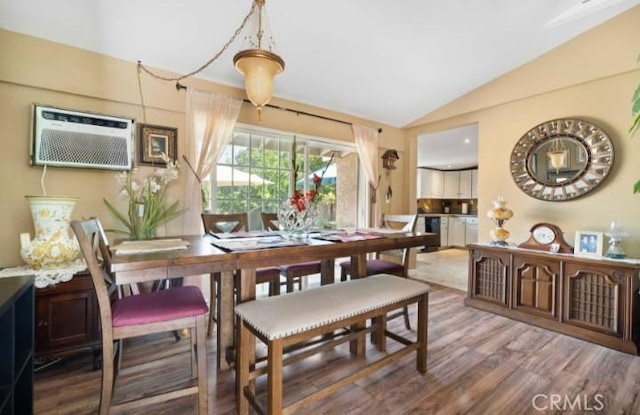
{"x":544,"y":235}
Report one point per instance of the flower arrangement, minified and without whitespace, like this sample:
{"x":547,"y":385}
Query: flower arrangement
{"x":147,"y":201}
{"x":299,"y":199}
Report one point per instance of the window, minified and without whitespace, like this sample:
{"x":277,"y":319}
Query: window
{"x":254,"y":175}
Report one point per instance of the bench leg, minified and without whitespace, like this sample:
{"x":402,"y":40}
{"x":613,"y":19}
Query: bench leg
{"x":378,"y":337}
{"x":423,"y":324}
{"x":274,"y":378}
{"x":357,"y":346}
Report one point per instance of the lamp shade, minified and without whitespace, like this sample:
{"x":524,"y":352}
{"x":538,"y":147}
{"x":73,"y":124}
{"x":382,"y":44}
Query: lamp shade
{"x":259,"y":68}
{"x":557,"y":159}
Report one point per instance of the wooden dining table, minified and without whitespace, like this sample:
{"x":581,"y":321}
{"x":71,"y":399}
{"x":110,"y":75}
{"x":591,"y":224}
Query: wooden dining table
{"x":202,"y":256}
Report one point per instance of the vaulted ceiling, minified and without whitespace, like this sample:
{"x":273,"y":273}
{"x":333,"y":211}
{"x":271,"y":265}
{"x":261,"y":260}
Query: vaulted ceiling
{"x":388,"y":61}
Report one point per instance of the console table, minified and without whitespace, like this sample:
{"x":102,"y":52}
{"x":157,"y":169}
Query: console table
{"x":594,"y":299}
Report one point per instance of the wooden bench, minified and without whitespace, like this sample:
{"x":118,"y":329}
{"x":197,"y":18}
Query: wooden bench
{"x":291,"y":319}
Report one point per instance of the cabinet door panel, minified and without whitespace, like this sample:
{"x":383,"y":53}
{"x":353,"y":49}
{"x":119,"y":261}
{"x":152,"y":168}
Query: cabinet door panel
{"x":536,"y":286}
{"x":471,"y":231}
{"x":474,"y":184}
{"x":444,"y":232}
{"x":489,"y":277}
{"x":67,"y":316}
{"x":70,"y":319}
{"x":457,"y":229}
{"x":451,"y":184}
{"x":464,"y":185}
{"x":430,"y":183}
{"x":593,"y":298}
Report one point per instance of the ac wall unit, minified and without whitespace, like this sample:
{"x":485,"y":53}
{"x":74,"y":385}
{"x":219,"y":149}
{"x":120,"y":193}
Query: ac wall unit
{"x":70,"y":138}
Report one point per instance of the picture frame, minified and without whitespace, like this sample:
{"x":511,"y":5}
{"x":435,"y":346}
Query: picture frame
{"x":153,"y":140}
{"x":588,"y":243}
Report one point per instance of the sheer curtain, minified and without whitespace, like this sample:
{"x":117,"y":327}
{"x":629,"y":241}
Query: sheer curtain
{"x":210,"y":121}
{"x":366,"y":139}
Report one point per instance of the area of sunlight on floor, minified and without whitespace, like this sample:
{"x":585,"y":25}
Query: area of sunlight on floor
{"x":446,"y":267}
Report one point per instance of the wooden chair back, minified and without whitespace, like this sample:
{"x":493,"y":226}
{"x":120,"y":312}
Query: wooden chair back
{"x":95,"y":249}
{"x":225,"y":222}
{"x":405,"y":223}
{"x":270,"y":221}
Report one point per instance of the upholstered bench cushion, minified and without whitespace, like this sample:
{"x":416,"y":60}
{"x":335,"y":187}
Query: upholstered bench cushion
{"x":282,"y":316}
{"x":158,"y":306}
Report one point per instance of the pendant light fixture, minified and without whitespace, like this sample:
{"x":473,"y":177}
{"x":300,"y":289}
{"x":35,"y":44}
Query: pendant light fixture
{"x":259,"y":66}
{"x":557,"y":154}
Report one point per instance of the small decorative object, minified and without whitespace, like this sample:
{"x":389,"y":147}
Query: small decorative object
{"x":588,"y":243}
{"x":298,"y":214}
{"x":52,"y":245}
{"x":297,"y":217}
{"x":561,"y":159}
{"x":156,"y":143}
{"x":547,"y":237}
{"x":389,"y":159}
{"x":616,"y":234}
{"x":146,"y":210}
{"x":499,"y":214}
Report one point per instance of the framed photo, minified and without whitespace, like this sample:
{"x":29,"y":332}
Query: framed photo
{"x":588,"y":243}
{"x":153,"y":140}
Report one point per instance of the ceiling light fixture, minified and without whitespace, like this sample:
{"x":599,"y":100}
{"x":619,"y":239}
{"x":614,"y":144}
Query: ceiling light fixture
{"x":258,"y":65}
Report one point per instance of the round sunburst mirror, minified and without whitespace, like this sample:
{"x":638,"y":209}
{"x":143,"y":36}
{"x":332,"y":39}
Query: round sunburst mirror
{"x":561,"y":159}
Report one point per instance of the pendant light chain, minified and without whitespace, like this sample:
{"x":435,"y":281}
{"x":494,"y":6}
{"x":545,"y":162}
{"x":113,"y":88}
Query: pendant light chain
{"x":144,"y":111}
{"x":209,"y":62}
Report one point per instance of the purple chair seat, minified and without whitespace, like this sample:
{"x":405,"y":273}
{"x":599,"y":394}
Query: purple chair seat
{"x":158,"y":306}
{"x":304,"y":268}
{"x":377,"y":266}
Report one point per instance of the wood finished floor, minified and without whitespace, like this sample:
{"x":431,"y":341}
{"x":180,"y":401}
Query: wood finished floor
{"x":478,"y":363}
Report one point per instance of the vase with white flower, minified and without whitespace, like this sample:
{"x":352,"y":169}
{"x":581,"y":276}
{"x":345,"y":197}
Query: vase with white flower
{"x":147,"y":201}
{"x":298,"y":214}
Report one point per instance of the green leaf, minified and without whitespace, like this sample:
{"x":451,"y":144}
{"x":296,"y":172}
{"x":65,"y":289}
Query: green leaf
{"x":636,"y":187}
{"x":118,"y":216}
{"x":635,"y":108}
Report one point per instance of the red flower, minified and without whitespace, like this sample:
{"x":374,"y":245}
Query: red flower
{"x":297,"y":199}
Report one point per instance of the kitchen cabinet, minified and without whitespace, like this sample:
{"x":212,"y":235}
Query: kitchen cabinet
{"x":430,"y":183}
{"x":457,"y":230}
{"x":594,"y":299}
{"x":451,"y":181}
{"x":471,"y":231}
{"x":444,"y":232}
{"x":464,"y":184}
{"x":474,"y":184}
{"x":458,"y":184}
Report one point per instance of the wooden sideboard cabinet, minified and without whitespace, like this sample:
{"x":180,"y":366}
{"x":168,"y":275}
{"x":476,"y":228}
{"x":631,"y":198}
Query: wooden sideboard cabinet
{"x":589,"y":298}
{"x":67,"y":318}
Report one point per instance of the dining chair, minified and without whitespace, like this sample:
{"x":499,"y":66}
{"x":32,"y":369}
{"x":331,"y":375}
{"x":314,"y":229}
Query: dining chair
{"x":399,"y":266}
{"x":228,"y":223}
{"x":140,"y":315}
{"x":293,"y":273}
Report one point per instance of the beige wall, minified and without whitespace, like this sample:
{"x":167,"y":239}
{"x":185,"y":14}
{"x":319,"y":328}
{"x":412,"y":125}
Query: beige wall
{"x":35,"y":70}
{"x":591,"y":77}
